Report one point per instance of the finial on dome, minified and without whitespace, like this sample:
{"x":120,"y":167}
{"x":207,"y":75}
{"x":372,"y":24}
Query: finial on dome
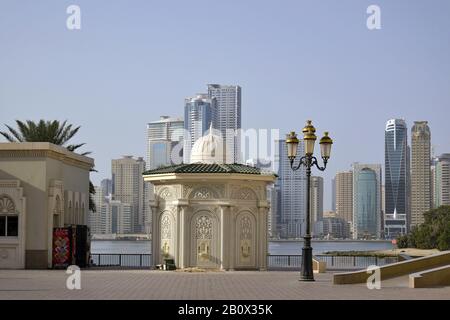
{"x":208,"y":149}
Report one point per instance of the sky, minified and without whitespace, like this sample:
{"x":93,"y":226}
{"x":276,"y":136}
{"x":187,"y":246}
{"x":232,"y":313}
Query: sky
{"x":133,"y":61}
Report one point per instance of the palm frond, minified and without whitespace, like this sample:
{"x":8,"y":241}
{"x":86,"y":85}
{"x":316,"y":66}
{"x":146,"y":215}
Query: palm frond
{"x":73,"y":147}
{"x":16,"y":134}
{"x":7,"y":136}
{"x":71,"y":133}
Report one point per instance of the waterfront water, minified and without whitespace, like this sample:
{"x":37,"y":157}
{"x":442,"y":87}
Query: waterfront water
{"x":275,"y":247}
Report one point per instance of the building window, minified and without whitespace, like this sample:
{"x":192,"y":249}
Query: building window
{"x":9,"y":226}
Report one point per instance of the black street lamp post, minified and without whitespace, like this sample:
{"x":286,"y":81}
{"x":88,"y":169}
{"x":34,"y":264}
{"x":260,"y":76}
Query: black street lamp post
{"x":308,"y":160}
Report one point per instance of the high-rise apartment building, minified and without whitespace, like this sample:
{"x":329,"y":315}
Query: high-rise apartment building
{"x":367,"y":212}
{"x":335,"y":228}
{"x":120,"y":216}
{"x":228,"y":118}
{"x":433,"y":184}
{"x":164,"y":142}
{"x":272,"y":195}
{"x":128,"y":187}
{"x":164,"y":147}
{"x":106,"y":185}
{"x":112,"y":217}
{"x":333,"y":194}
{"x":98,"y":222}
{"x":420,"y":171}
{"x":396,"y":178}
{"x":291,"y":192}
{"x":199,"y":116}
{"x":316,"y":195}
{"x":344,"y":195}
{"x":442,"y":180}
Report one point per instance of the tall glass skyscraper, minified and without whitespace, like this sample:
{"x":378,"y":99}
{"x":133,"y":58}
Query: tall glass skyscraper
{"x":396,"y":178}
{"x":291,"y":187}
{"x":199,"y":115}
{"x":228,"y":118}
{"x":367,"y":211}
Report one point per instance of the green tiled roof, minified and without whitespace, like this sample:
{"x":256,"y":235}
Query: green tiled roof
{"x":206,"y":168}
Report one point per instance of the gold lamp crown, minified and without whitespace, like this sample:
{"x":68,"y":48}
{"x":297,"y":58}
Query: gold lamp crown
{"x":308,"y":131}
{"x":326,"y":139}
{"x":292,"y":138}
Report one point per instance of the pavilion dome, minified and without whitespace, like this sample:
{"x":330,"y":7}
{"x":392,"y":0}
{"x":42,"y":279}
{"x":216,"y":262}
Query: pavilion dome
{"x":208,"y":149}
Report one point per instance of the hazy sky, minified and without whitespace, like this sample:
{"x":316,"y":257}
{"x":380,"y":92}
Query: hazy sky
{"x":133,"y":61}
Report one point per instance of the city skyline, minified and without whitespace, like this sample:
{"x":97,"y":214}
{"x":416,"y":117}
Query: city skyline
{"x":126,"y":74}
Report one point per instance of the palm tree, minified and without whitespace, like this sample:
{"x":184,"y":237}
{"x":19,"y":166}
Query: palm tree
{"x":48,"y":131}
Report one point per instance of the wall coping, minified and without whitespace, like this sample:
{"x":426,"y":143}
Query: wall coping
{"x":44,"y":149}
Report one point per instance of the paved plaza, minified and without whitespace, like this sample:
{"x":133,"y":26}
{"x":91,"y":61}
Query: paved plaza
{"x":167,"y":285}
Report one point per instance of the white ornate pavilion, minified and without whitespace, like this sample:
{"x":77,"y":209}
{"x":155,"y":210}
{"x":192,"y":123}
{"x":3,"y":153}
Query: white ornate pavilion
{"x":209,"y":214}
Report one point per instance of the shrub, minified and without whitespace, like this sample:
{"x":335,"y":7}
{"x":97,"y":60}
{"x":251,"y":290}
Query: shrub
{"x":402,"y":241}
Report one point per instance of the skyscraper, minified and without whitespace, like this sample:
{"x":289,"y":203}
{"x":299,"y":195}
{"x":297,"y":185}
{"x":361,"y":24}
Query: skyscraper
{"x":420,"y":171}
{"x":316,"y":200}
{"x":396,"y":178}
{"x":228,"y":118}
{"x":164,"y":147}
{"x":291,"y":192}
{"x":333,"y":194}
{"x":164,"y":139}
{"x":433,"y":184}
{"x":442,"y":180}
{"x":199,"y":115}
{"x":120,"y":216}
{"x":106,"y":185}
{"x":128,"y":187}
{"x":344,"y":195}
{"x":367,"y":195}
{"x":272,"y":195}
{"x":97,"y":221}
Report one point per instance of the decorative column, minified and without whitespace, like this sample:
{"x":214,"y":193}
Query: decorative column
{"x":225,"y":229}
{"x":154,"y":206}
{"x":232,"y":240}
{"x":182,"y":252}
{"x":263,"y":208}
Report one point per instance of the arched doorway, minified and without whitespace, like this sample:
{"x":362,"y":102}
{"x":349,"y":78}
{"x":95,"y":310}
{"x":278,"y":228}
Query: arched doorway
{"x":205,"y":240}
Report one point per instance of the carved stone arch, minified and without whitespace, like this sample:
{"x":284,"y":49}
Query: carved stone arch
{"x":83,"y":213}
{"x":246,"y":236}
{"x":167,"y":234}
{"x":13,"y":206}
{"x":68,"y":212}
{"x":77,"y":213}
{"x":56,"y":204}
{"x":77,"y":207}
{"x":57,"y":209}
{"x":212,"y":209}
{"x":203,"y":193}
{"x":83,"y":209}
{"x":167,"y":193}
{"x":205,"y":239}
{"x":244,"y":193}
{"x":7,"y":204}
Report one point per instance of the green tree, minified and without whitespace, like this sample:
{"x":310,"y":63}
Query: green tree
{"x":433,"y":233}
{"x":48,"y":131}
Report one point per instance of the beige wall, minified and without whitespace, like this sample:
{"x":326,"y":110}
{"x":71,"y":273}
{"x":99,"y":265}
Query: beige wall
{"x":37,"y":166}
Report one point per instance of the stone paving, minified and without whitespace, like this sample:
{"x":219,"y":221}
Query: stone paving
{"x":166,"y":285}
